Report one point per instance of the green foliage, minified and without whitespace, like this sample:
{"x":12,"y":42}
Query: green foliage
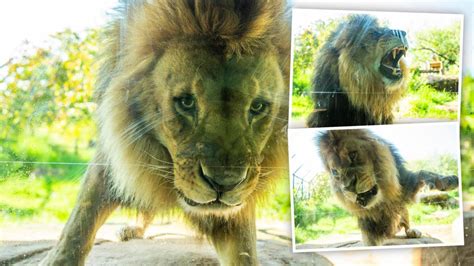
{"x":427,"y":102}
{"x":46,"y":126}
{"x":306,"y":46}
{"x":467,"y":138}
{"x":301,"y":106}
{"x":428,"y":214}
{"x":467,"y":107}
{"x":50,"y":87}
{"x":277,"y":204}
{"x":444,"y":164}
{"x":442,"y":42}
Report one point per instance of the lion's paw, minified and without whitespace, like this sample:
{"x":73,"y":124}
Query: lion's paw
{"x":413,"y":233}
{"x":130,"y":232}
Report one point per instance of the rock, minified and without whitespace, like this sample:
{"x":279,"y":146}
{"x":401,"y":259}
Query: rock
{"x":358,"y":243}
{"x":169,"y":248}
{"x":439,"y":198}
{"x":444,"y":82}
{"x":462,"y":255}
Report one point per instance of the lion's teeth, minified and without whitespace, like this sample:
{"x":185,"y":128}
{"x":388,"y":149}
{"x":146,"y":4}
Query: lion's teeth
{"x":394,"y":71}
{"x":394,"y":53}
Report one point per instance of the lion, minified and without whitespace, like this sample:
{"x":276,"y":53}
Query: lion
{"x":192,"y":112}
{"x":370,"y":180}
{"x":360,"y":74}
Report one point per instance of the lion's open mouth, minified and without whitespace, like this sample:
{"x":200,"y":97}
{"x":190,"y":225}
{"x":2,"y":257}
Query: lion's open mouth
{"x":390,"y":64}
{"x":364,"y":198}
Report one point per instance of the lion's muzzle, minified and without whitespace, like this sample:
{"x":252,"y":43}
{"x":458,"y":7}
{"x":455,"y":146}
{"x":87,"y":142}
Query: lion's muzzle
{"x":390,"y":63}
{"x":223,"y":179}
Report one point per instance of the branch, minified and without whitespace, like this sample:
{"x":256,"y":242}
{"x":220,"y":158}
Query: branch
{"x":450,"y":61}
{"x":7,"y":63}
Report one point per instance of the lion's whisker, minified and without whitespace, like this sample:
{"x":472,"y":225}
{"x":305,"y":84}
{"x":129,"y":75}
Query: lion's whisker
{"x":156,"y":159}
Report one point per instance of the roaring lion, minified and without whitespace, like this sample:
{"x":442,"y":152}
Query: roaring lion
{"x":360,"y":74}
{"x":369,"y":178}
{"x":192,"y":108}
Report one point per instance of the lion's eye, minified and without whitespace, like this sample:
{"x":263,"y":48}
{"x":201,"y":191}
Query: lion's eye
{"x":258,"y":106}
{"x":186,"y":103}
{"x":334,"y":172}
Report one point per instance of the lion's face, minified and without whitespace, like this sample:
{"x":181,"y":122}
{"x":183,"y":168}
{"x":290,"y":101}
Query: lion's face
{"x":348,"y":157}
{"x":214,"y":116}
{"x":376,"y":52}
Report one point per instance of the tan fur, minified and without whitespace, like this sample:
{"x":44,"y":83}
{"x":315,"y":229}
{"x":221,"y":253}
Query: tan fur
{"x":228,"y":56}
{"x":374,"y":164}
{"x":367,"y":91}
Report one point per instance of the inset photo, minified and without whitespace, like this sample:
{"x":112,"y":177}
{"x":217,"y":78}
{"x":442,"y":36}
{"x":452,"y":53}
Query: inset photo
{"x":370,"y":68}
{"x":392,"y":185}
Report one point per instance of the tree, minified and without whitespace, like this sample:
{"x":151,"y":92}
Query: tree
{"x":443,"y":43}
{"x":50,"y":86}
{"x":306,"y":46}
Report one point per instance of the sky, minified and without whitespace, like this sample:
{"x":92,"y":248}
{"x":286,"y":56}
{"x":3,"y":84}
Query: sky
{"x":414,"y":142}
{"x":35,"y":20}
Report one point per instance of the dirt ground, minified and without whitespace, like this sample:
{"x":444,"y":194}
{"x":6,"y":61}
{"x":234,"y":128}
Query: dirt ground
{"x":164,"y":244}
{"x":432,"y":234}
{"x":173,"y":244}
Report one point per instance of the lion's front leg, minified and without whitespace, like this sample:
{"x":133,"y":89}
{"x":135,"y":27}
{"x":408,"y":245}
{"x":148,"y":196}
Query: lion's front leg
{"x":372,"y":232}
{"x":405,"y":223}
{"x":144,"y":219}
{"x":93,"y":206}
{"x":235,"y":239}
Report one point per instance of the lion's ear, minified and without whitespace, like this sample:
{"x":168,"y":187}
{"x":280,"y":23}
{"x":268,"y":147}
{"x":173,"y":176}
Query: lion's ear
{"x":259,"y":21}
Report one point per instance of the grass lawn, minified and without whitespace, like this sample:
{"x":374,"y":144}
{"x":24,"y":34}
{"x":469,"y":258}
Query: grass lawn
{"x":424,"y":102}
{"x":40,"y":180}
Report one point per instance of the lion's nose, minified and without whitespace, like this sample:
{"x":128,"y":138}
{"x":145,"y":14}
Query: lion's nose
{"x":222,"y":178}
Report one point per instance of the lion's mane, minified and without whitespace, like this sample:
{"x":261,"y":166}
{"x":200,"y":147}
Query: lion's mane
{"x":379,"y":160}
{"x":135,"y":41}
{"x":348,"y":88}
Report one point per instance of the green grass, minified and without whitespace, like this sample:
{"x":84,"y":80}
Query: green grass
{"x":344,"y":223}
{"x":424,"y":214}
{"x":36,"y":200}
{"x":426,"y":102}
{"x":316,"y":219}
{"x":41,"y":180}
{"x":301,"y":107}
{"x":422,"y":102}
